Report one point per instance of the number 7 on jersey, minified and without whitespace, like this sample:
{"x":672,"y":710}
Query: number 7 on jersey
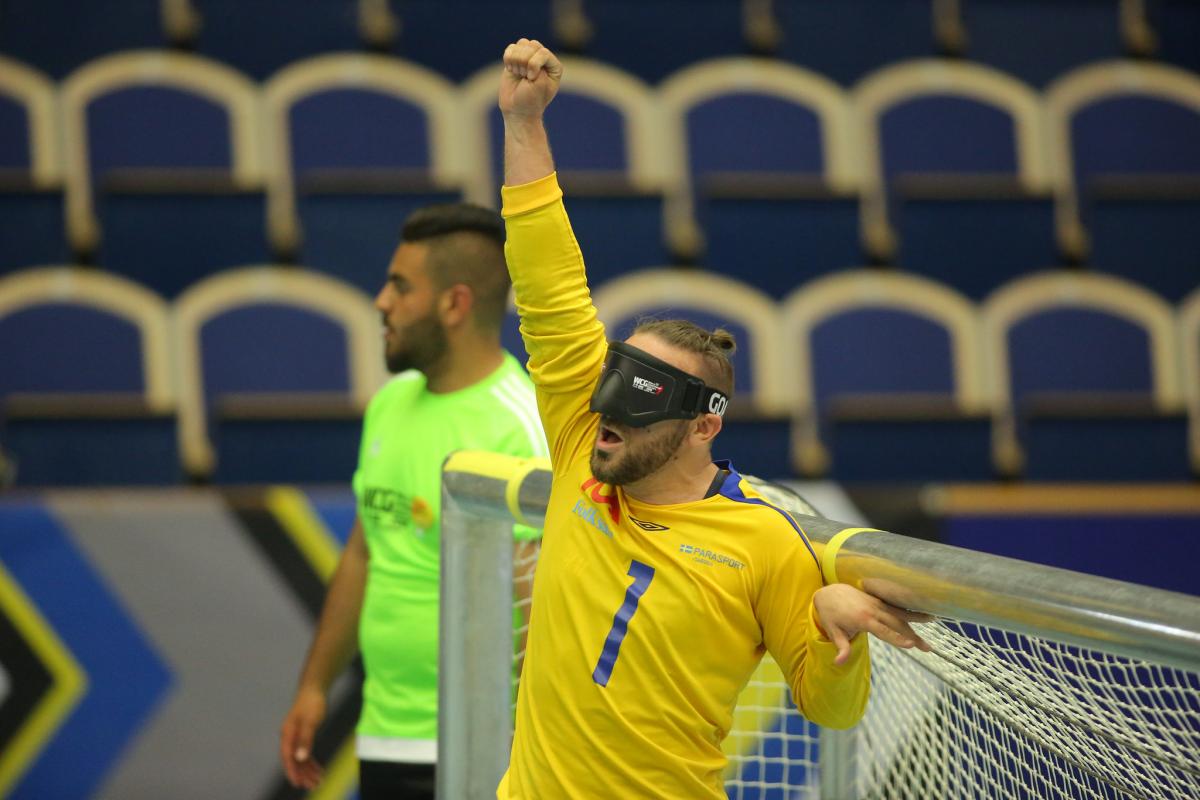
{"x":642,"y":574}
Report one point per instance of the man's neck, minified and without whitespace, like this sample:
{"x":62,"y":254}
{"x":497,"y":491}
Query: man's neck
{"x":678,"y":481}
{"x":465,"y":364}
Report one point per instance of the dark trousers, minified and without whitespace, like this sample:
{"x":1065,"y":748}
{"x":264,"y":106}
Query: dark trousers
{"x":392,"y":780}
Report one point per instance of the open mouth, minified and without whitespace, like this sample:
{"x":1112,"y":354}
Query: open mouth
{"x":607,"y":438}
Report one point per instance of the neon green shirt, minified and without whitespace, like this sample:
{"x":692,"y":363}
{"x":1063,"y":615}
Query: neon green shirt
{"x":407,"y":433}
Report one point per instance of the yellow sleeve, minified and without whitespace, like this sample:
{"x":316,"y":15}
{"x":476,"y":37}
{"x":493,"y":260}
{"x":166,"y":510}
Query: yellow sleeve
{"x":831,"y":695}
{"x":564,"y":338}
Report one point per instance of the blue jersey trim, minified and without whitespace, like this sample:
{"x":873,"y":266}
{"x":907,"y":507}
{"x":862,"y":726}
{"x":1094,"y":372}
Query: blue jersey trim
{"x":732,"y":488}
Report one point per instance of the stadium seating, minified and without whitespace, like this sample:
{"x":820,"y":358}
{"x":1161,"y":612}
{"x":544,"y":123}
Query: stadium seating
{"x":261,"y":37}
{"x":1037,"y":41}
{"x":458,"y":39}
{"x":1189,"y":333}
{"x":652,"y":40}
{"x":57,"y":36}
{"x":886,"y":373}
{"x":609,"y":154}
{"x":956,"y":166}
{"x":357,"y":143}
{"x":814,"y":34}
{"x":85,"y":378}
{"x":757,"y":425}
{"x":164,"y":167}
{"x":1176,"y":28}
{"x":1084,"y":379}
{"x":849,"y":137}
{"x":1127,"y":139}
{"x":764,"y":171}
{"x":275,"y":368}
{"x":31,"y":193}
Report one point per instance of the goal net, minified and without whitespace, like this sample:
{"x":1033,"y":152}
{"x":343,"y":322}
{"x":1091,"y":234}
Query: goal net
{"x":988,"y":713}
{"x":996,"y":714}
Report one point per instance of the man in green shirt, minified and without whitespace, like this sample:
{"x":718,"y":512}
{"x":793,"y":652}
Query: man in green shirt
{"x":454,"y":388}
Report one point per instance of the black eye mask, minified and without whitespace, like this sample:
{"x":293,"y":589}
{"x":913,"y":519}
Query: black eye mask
{"x":637,"y":389}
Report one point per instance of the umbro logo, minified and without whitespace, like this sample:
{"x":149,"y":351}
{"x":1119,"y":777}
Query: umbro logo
{"x":648,"y":526}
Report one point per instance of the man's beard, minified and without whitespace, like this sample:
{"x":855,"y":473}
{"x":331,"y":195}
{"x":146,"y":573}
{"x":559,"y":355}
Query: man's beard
{"x":421,"y":344}
{"x":636,"y":462}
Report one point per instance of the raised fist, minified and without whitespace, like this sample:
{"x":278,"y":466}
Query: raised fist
{"x":530,"y":79}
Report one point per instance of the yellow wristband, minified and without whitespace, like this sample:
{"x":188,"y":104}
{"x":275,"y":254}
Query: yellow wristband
{"x":829,"y":557}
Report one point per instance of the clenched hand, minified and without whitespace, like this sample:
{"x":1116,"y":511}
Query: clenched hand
{"x":530,"y":81}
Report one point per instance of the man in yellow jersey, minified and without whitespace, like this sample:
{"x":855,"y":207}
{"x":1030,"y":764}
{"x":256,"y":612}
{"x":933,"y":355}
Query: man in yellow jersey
{"x":442,"y":307}
{"x":664,"y":577}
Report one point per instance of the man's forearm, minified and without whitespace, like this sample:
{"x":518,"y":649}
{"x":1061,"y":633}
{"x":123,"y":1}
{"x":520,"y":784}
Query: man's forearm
{"x":527,"y":156}
{"x":336,"y":638}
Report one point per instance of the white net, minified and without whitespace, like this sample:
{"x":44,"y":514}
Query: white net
{"x":772,"y":749}
{"x":1000,"y":715}
{"x":986,"y":714}
{"x":525,"y":555}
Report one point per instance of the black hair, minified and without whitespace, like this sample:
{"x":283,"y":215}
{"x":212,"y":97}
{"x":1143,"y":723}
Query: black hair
{"x":466,"y":246}
{"x":444,"y":219}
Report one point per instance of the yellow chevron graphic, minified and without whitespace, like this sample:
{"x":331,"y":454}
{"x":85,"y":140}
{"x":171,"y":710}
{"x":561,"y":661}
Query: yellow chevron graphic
{"x":297,"y":517}
{"x":341,"y":775}
{"x":69,"y":685}
{"x":304,"y":526}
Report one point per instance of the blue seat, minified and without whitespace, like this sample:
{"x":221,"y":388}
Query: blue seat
{"x":1084,"y":375}
{"x":1189,"y":330}
{"x":456,"y":40}
{"x":957,"y":186}
{"x":57,"y":36}
{"x":756,"y":431}
{"x":1176,"y":26}
{"x":1039,"y":41}
{"x":165,"y":174}
{"x":88,"y":396}
{"x":276,"y":367}
{"x":765,"y":175}
{"x":1128,"y":137}
{"x":32,"y":218}
{"x":608,"y":148}
{"x":261,"y":37}
{"x":847,"y":39}
{"x":885,"y":373}
{"x":630,"y":34}
{"x":359,"y":142}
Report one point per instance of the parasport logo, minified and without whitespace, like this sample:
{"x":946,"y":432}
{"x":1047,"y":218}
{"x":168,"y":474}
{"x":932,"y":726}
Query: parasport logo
{"x":702,"y":555}
{"x":649,"y":387}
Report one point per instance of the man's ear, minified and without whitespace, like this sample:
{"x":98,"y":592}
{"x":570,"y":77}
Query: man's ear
{"x":456,"y":305}
{"x":706,"y":427}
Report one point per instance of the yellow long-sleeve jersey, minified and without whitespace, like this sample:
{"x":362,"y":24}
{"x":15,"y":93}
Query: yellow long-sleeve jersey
{"x":647,"y":620}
